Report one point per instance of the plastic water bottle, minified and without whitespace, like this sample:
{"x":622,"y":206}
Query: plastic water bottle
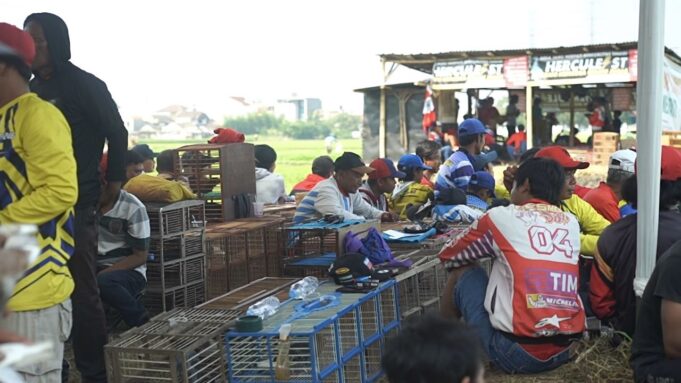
{"x":264,"y":308}
{"x":304,"y":288}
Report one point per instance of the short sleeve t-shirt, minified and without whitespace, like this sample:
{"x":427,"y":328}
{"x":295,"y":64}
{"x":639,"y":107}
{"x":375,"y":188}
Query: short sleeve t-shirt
{"x":665,"y":283}
{"x":122,"y":229}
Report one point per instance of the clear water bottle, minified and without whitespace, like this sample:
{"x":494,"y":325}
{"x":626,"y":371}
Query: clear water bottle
{"x":304,"y":288}
{"x":264,"y":308}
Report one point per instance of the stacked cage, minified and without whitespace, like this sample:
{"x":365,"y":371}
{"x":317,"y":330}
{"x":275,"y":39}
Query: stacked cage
{"x":183,"y":345}
{"x":421,"y":287}
{"x":242,"y":251}
{"x":338,"y":344}
{"x":223,"y":175}
{"x":604,"y":145}
{"x":176,"y":266}
{"x":311,"y":250}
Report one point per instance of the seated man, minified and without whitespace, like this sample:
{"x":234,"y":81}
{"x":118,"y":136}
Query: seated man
{"x":381,"y":182}
{"x":269,"y":186}
{"x":134,"y":165}
{"x":611,"y":289}
{"x":429,"y":151}
{"x":166,"y":170}
{"x":322,"y":168}
{"x":480,"y":190}
{"x":528,"y":311}
{"x":338,"y":195}
{"x":517,"y":143}
{"x":434,"y":349}
{"x":148,"y":155}
{"x":606,"y":197}
{"x":457,"y":170}
{"x":656,"y":351}
{"x":410,"y":190}
{"x":123,"y":245}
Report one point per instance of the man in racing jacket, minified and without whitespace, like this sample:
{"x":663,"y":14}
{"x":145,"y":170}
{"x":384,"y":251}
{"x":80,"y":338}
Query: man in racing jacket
{"x":528,"y":310}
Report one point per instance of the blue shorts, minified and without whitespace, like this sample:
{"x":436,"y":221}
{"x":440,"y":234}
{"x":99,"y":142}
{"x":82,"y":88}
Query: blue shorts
{"x":509,"y":356}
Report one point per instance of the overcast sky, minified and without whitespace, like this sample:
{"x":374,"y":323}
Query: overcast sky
{"x":155,"y":53}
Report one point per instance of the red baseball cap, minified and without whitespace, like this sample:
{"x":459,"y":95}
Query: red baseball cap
{"x":384,"y":168}
{"x":560,"y":155}
{"x":15,"y":42}
{"x":670,"y":164}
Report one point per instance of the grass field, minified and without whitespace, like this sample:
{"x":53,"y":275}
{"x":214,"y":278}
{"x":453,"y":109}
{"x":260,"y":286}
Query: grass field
{"x":294,"y":157}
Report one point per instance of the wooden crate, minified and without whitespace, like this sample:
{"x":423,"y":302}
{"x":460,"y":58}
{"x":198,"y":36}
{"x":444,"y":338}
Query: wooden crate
{"x":217,"y":173}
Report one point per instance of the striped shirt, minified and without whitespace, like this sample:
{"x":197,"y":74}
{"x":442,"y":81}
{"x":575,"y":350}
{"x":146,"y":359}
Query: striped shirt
{"x":123,"y":229}
{"x":38,"y":185}
{"x":326,"y":198}
{"x":456,"y":171}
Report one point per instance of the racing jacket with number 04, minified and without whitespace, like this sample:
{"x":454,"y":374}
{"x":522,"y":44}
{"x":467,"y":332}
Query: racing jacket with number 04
{"x":532,"y":290}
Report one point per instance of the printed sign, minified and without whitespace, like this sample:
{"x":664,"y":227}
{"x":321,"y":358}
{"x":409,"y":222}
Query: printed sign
{"x":510,"y":72}
{"x":609,"y":66}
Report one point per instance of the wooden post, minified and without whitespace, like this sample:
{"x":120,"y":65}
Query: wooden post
{"x":572,"y":117}
{"x":382,"y":115}
{"x":528,"y":114}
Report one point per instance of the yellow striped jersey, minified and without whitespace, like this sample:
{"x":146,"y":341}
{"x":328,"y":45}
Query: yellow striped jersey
{"x":38,"y":186}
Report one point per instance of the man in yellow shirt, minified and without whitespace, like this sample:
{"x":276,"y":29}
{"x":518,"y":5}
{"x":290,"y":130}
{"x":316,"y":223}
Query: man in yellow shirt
{"x":37,"y":186}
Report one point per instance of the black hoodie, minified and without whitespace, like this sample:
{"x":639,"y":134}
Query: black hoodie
{"x":88,"y":107}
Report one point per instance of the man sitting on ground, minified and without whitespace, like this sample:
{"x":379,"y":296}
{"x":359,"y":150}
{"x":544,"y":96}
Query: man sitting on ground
{"x":338,"y":195}
{"x":528,"y":310}
{"x":123,"y":245}
{"x":606,"y":197}
{"x":656,"y":351}
{"x":381,"y":182}
{"x":457,"y":170}
{"x":434,"y":349}
{"x":322,"y":168}
{"x":611,"y":290}
{"x":517,"y":143}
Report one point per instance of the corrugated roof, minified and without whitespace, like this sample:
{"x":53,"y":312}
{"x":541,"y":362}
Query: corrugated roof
{"x":424,"y":61}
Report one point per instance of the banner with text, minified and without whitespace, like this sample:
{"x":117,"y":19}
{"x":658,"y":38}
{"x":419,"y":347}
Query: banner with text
{"x":671,"y":97}
{"x":597,"y":67}
{"x":509,"y":73}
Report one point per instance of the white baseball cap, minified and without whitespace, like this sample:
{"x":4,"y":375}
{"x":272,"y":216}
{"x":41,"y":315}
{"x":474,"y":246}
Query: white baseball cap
{"x":624,"y":160}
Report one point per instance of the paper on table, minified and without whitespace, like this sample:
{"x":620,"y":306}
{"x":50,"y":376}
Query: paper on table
{"x":394,"y":234}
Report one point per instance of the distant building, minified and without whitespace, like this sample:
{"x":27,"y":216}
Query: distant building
{"x":298,"y":109}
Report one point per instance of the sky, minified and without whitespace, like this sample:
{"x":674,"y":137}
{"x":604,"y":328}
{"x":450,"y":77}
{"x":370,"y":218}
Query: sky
{"x":155,"y":53}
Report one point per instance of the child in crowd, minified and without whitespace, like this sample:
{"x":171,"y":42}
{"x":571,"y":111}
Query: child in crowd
{"x":429,"y":152}
{"x":410,"y":191}
{"x":269,"y":186}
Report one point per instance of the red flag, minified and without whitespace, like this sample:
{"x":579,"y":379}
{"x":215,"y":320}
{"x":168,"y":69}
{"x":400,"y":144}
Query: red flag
{"x":429,"y":116}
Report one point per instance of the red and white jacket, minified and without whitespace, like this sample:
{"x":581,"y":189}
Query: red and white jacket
{"x":532,"y":290}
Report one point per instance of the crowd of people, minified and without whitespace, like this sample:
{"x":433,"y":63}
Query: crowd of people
{"x":562,"y":252}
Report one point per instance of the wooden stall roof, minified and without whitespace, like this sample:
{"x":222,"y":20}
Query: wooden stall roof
{"x":424,"y":61}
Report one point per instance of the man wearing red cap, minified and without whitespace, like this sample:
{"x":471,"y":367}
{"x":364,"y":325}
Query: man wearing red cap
{"x":611,"y":291}
{"x":380,"y":182}
{"x":37,"y":186}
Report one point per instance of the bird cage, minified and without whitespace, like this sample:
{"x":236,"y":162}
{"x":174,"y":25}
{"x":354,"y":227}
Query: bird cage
{"x":223,"y":175}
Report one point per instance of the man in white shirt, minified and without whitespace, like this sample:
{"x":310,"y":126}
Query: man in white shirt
{"x":338,"y":195}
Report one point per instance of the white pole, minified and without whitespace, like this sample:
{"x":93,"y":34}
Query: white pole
{"x":649,"y":132}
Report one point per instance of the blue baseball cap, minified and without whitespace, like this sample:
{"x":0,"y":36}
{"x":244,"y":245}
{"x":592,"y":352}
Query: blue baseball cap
{"x":483,"y":180}
{"x":412,"y":161}
{"x":472,"y":126}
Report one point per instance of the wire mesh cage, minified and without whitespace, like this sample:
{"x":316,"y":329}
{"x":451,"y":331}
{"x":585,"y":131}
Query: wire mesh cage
{"x":326,"y":346}
{"x":176,"y":218}
{"x":311,"y":250}
{"x":178,"y":346}
{"x":245,"y":296}
{"x":242,"y":251}
{"x":223,"y":175}
{"x":176,"y":273}
{"x":190,"y":295}
{"x":421,"y":287}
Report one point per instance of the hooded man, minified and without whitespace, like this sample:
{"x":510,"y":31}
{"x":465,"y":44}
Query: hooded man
{"x":93,"y":116}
